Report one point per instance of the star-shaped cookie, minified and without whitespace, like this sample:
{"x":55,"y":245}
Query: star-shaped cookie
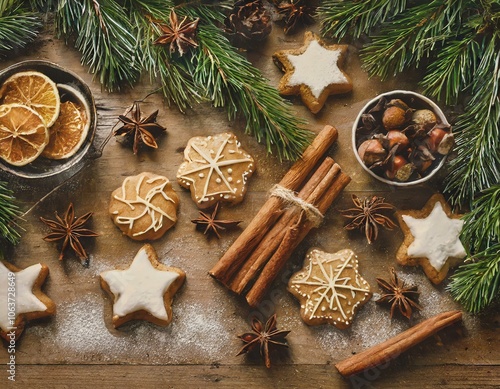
{"x":313,"y":71}
{"x":329,"y":288}
{"x":432,"y":238}
{"x":215,"y":168}
{"x":21,"y":298}
{"x":145,"y":290}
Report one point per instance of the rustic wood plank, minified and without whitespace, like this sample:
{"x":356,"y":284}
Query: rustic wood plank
{"x":447,"y":376}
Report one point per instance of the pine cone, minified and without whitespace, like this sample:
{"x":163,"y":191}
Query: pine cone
{"x":248,"y":22}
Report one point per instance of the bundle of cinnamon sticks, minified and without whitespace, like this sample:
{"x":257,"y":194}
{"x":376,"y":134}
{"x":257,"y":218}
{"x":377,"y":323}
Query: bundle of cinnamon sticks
{"x":254,"y":260}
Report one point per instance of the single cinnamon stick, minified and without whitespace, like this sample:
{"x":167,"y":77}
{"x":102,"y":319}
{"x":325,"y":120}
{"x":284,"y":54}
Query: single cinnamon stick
{"x":393,"y":347}
{"x":231,"y":261}
{"x":287,"y":246}
{"x":312,"y":192}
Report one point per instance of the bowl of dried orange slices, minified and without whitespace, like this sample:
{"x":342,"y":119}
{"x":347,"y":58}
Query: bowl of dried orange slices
{"x":47,"y":119}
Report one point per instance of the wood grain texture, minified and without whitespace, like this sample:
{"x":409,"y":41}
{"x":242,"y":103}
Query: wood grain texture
{"x":79,"y":348}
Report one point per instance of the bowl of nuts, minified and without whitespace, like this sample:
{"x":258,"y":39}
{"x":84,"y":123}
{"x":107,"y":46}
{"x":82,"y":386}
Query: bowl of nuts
{"x":401,"y":138}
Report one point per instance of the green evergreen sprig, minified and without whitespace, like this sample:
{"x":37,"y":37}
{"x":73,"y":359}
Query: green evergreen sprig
{"x":104,"y":37}
{"x":18,"y":25}
{"x":476,"y":283}
{"x":9,"y":212}
{"x":216,"y":72}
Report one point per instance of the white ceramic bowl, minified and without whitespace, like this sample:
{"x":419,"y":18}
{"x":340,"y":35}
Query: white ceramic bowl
{"x":420,"y":101}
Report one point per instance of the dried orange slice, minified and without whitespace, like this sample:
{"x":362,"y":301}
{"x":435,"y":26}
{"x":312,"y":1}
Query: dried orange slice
{"x":23,"y":134}
{"x":34,"y":90}
{"x":70,"y":130}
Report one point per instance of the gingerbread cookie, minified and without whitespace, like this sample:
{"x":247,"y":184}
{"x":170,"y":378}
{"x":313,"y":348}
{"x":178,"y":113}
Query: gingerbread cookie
{"x":313,"y":71}
{"x":21,"y":298}
{"x":144,"y":207}
{"x":432,"y":238}
{"x":329,"y":288}
{"x":215,"y":169}
{"x":145,"y":290}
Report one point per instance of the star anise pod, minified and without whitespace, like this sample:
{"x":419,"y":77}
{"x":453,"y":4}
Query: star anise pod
{"x":399,"y":295}
{"x":142,"y":130}
{"x":368,"y":215}
{"x":69,"y":229}
{"x":294,"y":12}
{"x":263,"y":337}
{"x":211,"y":224}
{"x":180,"y":35}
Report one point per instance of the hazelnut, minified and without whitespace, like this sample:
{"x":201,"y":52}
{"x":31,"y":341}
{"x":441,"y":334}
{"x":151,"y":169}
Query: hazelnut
{"x":396,"y":137}
{"x":393,"y":118}
{"x":371,"y":151}
{"x":424,"y":117}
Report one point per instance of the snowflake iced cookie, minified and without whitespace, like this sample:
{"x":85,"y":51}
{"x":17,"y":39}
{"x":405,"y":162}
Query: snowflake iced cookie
{"x":313,"y":71}
{"x":143,"y":291}
{"x":21,"y":298}
{"x":431,"y":238}
{"x":215,"y":168}
{"x":329,"y":288}
{"x":144,"y":207}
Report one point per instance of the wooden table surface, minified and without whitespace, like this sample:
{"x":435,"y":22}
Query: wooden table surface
{"x":79,"y":348}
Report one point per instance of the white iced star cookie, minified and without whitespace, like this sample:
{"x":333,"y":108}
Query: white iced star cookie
{"x":143,"y":291}
{"x":432,"y":238}
{"x":313,"y":71}
{"x":21,"y":298}
{"x":329,"y":288}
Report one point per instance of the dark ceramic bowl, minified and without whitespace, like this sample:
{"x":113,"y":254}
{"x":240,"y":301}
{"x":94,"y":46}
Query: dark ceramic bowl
{"x":43,"y":167}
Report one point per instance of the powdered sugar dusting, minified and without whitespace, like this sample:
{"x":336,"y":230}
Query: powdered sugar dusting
{"x":84,"y":329}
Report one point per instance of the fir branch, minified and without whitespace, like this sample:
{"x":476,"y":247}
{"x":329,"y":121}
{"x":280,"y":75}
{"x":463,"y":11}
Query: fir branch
{"x":176,"y":83}
{"x":477,"y":165}
{"x":9,"y":212}
{"x":482,"y":225}
{"x":453,"y":70}
{"x":18,"y":26}
{"x":403,"y":42}
{"x":340,"y":18}
{"x":476,"y":284}
{"x":104,"y":37}
{"x":232,"y":82}
{"x":216,"y":72}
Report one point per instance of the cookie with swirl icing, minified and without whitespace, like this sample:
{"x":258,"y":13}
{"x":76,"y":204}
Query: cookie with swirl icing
{"x":144,"y":207}
{"x":215,"y":168}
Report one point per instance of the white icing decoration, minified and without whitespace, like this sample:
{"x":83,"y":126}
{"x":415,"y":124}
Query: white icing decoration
{"x":436,"y":237}
{"x":332,"y":286}
{"x":213,"y":165}
{"x":155,"y":214}
{"x":317,"y":68}
{"x":201,"y":175}
{"x":230,"y":171}
{"x":140,"y":287}
{"x":26,"y":301}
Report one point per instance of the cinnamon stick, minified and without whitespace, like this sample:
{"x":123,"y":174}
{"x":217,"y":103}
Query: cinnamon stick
{"x":286,"y":247}
{"x":231,"y":261}
{"x":311,"y":191}
{"x":393,"y":347}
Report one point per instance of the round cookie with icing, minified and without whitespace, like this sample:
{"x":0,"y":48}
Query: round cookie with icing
{"x":313,"y":71}
{"x":215,"y":168}
{"x":21,"y":298}
{"x":329,"y":288}
{"x":144,"y":207}
{"x":143,"y":291}
{"x":432,"y":238}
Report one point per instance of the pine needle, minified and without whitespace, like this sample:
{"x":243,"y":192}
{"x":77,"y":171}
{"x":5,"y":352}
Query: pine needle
{"x":18,"y":26}
{"x":9,"y":212}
